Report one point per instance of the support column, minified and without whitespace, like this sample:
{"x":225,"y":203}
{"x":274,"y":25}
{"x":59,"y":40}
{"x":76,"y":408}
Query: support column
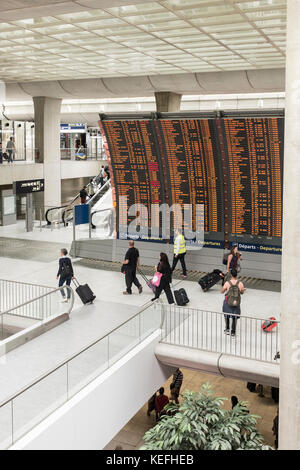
{"x":167,"y":102}
{"x":47,"y":142}
{"x":289,"y":409}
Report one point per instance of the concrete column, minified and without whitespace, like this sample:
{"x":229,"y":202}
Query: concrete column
{"x":47,"y":141}
{"x":167,"y":102}
{"x":289,"y":410}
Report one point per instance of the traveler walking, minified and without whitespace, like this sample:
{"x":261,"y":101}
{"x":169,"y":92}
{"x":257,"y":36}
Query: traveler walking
{"x":106,"y":169}
{"x":102,"y":176}
{"x":91,"y":189}
{"x":83,"y":195}
{"x":160,"y":402}
{"x":131,"y":263}
{"x":233,"y":260}
{"x":65,"y":273}
{"x":232,"y":302}
{"x":179,"y":251}
{"x":164,"y":269}
{"x":10,"y":148}
{"x":176,"y":385}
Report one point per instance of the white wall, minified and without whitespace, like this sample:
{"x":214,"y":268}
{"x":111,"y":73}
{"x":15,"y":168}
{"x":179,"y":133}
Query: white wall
{"x":18,"y":172}
{"x":78,"y":169}
{"x":69,"y":169}
{"x":91,"y":419}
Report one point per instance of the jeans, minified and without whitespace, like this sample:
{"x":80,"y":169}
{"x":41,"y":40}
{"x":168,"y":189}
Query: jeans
{"x":10,"y":156}
{"x":61,"y":282}
{"x":180,"y":258}
{"x":233,"y":324}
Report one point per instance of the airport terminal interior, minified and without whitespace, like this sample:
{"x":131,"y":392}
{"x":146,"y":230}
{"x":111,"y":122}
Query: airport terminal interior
{"x":149,"y":225}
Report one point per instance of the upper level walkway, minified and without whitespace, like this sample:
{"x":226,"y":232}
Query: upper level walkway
{"x":45,"y":373}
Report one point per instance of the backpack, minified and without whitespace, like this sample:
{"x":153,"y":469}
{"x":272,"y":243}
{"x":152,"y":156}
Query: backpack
{"x":234,"y":295}
{"x":66,"y":270}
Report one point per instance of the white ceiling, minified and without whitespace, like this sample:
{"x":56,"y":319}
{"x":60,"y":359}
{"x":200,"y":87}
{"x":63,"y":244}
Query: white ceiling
{"x":73,"y":40}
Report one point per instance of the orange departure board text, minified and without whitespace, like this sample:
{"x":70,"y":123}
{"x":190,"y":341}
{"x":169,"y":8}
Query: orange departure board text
{"x":135,"y":164}
{"x":189,"y":148}
{"x":254,"y":149}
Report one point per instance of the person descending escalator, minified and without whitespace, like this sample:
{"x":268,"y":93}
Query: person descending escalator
{"x":83,"y":195}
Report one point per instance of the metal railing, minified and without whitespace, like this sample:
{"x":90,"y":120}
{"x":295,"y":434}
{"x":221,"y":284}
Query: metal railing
{"x":14,"y":293}
{"x":20,"y":155}
{"x":204,"y":330}
{"x":80,"y":154}
{"x":42,"y":307}
{"x":32,"y":404}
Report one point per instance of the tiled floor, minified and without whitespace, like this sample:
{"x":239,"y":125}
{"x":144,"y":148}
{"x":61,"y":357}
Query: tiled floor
{"x":131,"y":436}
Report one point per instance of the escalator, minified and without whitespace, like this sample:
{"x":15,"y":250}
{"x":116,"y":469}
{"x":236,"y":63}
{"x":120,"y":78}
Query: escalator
{"x":64,"y":214}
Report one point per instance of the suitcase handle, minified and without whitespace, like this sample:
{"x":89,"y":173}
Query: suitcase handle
{"x":76,"y":283}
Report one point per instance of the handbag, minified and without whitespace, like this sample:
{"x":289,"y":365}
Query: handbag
{"x":123,"y":268}
{"x":156,"y":279}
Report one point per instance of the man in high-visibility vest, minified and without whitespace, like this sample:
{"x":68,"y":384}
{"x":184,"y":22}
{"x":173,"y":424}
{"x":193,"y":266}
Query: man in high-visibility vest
{"x":179,"y":251}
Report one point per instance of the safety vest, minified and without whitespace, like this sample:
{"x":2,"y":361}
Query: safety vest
{"x":182,"y":248}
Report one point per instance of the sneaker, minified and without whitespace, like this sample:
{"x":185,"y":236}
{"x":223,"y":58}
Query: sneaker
{"x":184,"y":276}
{"x":64,"y":301}
{"x":232,"y":335}
{"x":140,"y":289}
{"x":126,"y":293}
{"x":227,"y":332}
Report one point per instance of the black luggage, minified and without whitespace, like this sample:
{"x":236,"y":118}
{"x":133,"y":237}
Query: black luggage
{"x":209,"y":280}
{"x":84,"y":292}
{"x":181,"y":297}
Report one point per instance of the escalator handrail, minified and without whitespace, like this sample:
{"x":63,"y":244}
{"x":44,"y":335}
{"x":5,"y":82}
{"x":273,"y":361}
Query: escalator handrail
{"x":88,"y":202}
{"x":107,"y":184}
{"x":66,"y":206}
{"x":52,"y":209}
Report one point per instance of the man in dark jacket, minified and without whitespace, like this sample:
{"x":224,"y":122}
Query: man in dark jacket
{"x":131,"y":263}
{"x":176,"y":385}
{"x":83,"y":195}
{"x":65,"y":273}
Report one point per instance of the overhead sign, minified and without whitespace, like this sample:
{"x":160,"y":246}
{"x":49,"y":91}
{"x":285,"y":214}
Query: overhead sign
{"x":29,"y":186}
{"x":73,"y":128}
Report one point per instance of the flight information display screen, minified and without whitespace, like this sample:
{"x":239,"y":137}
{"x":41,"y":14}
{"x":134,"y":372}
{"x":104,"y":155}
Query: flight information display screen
{"x":189,"y":147}
{"x":136,"y":166}
{"x":254,"y":152}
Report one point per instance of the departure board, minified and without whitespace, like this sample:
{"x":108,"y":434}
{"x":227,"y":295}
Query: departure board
{"x":190,"y":149}
{"x":136,"y":166}
{"x":254,"y":149}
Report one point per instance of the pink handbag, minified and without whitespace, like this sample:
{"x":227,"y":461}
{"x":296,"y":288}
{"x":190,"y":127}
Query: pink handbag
{"x":156,"y":279}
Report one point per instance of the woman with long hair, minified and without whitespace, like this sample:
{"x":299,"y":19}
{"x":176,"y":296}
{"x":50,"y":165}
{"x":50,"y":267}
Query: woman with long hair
{"x":164,"y":268}
{"x":233,"y":260}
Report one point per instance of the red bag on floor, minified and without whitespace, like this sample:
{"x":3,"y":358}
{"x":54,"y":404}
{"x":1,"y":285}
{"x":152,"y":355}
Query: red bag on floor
{"x":268,"y":325}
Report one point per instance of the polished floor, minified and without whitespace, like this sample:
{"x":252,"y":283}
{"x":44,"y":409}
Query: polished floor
{"x":131,"y":436}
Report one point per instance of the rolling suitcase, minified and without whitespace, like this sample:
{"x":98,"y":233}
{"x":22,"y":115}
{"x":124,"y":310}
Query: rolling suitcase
{"x":148,"y":282}
{"x":181,"y":297}
{"x":209,"y":280}
{"x":84,"y":292}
